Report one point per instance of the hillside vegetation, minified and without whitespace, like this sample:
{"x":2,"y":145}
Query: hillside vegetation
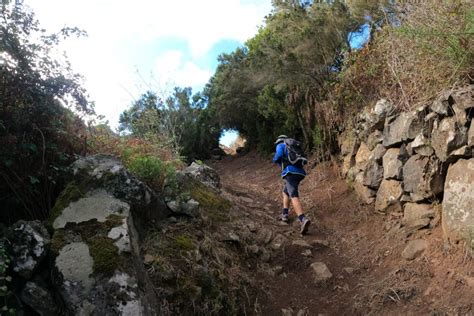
{"x":304,"y":75}
{"x":298,"y":75}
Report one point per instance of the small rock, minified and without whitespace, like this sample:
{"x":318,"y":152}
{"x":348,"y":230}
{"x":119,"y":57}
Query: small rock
{"x":301,"y":243}
{"x":246,"y":200}
{"x":287,"y":312}
{"x":253,"y":249}
{"x":174,"y":206}
{"x":301,"y":312}
{"x":278,"y":242}
{"x":307,"y":253}
{"x":277,"y":270}
{"x":321,"y":272}
{"x":414,"y":249}
{"x":233,"y":237}
{"x":252,"y":227}
{"x":265,"y":256}
{"x":319,"y":243}
{"x":190,"y":208}
{"x":349,"y":270}
{"x":264,"y":236}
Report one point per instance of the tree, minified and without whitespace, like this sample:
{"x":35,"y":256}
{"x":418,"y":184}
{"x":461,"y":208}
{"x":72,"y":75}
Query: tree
{"x":181,"y":123}
{"x":39,"y":136}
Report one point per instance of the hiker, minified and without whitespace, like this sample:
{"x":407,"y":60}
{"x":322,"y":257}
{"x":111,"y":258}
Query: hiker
{"x":291,"y":160}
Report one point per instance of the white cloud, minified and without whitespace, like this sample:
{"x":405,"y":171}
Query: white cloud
{"x":118,"y":29}
{"x":171,"y":70}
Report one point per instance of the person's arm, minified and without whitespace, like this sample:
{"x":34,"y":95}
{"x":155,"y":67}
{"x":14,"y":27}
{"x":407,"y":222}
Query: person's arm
{"x":279,"y":154}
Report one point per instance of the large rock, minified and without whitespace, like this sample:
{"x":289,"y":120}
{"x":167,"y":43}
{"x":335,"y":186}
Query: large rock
{"x":448,"y":136}
{"x":377,"y":153}
{"x":392,"y":165}
{"x":418,"y":215}
{"x":463,"y":103}
{"x":374,"y":139}
{"x":389,"y":193}
{"x":362,"y":157}
{"x":375,"y":120}
{"x":383,"y":108}
{"x":441,"y":105}
{"x":203,"y":174}
{"x":394,"y":129}
{"x":349,"y":144}
{"x":414,"y":249}
{"x":366,"y":194}
{"x":107,"y":172}
{"x":95,"y":245}
{"x":422,"y":146}
{"x":458,"y":202}
{"x":320,"y":272}
{"x":39,"y":299}
{"x":373,"y":175}
{"x":347,"y":164}
{"x":97,"y":205}
{"x":404,"y":127}
{"x":422,"y":177}
{"x":30,"y":244}
{"x":470,"y":135}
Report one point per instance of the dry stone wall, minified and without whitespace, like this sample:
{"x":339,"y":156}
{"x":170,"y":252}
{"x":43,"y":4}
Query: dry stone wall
{"x":411,"y":161}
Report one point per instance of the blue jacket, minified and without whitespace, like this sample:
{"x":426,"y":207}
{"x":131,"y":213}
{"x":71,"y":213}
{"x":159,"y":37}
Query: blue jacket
{"x":280,"y":158}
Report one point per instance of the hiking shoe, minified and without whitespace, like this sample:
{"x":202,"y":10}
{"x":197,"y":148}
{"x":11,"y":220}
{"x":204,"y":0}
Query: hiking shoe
{"x":304,"y":226}
{"x":284,"y":218}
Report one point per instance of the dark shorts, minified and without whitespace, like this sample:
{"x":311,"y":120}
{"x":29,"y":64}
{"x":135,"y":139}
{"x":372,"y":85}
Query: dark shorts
{"x":291,"y":184}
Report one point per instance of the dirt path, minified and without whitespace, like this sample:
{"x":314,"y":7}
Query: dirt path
{"x":361,"y":248}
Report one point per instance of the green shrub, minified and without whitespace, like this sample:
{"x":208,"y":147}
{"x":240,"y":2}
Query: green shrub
{"x":152,"y":170}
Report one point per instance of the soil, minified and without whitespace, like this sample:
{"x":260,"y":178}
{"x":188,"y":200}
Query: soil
{"x":361,"y":248}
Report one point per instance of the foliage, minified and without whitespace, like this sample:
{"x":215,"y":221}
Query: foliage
{"x":149,"y":161}
{"x":410,"y":63}
{"x":39,"y":136}
{"x":299,"y":76}
{"x":5,"y":280}
{"x":179,"y":123}
{"x":279,"y":82}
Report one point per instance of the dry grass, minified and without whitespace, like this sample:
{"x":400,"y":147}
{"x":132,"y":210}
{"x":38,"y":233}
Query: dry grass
{"x":431,"y":50}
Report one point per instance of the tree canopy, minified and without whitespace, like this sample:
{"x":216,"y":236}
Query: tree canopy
{"x":39,"y":132}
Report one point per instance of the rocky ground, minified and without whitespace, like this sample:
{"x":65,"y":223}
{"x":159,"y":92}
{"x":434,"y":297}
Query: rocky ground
{"x":354,"y":259}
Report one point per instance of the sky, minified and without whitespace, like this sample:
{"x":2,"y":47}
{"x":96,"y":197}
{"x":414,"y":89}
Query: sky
{"x":135,"y":46}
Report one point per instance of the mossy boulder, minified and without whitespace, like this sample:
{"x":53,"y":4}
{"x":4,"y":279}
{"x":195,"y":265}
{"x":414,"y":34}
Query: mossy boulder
{"x":94,"y":246}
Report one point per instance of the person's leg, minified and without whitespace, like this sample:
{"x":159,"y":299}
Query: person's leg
{"x":286,"y":205}
{"x":292,"y":188}
{"x":286,"y":201}
{"x":297,"y":207}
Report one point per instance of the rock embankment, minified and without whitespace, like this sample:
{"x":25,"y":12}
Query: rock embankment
{"x":418,"y":163}
{"x":85,"y":260}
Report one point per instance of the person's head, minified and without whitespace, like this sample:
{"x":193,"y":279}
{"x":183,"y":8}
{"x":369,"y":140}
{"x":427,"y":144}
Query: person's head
{"x":280,"y":139}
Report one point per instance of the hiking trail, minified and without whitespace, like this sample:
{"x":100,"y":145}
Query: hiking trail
{"x":361,"y":248}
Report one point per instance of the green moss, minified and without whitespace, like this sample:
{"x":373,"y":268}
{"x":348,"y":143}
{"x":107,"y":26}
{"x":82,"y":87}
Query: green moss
{"x":58,"y":241}
{"x":71,"y":193}
{"x":208,"y":199}
{"x":105,"y":255}
{"x":114,"y":220}
{"x":184,"y":242}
